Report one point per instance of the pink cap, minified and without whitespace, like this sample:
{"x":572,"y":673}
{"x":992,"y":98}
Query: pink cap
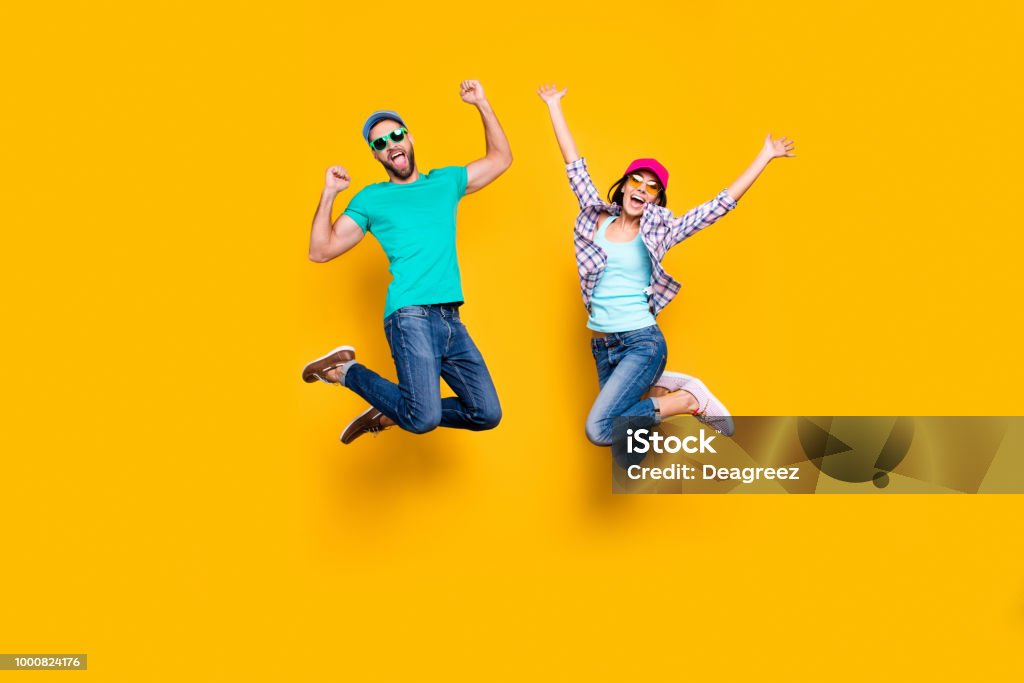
{"x":651,"y":165}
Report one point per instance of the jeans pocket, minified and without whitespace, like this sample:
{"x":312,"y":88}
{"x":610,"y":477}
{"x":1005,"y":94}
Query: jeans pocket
{"x":411,"y":312}
{"x":640,"y":343}
{"x":648,"y":336}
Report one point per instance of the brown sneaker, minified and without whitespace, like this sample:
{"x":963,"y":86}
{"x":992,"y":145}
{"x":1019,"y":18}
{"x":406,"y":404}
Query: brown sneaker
{"x":368,"y":421}
{"x":317,"y":369}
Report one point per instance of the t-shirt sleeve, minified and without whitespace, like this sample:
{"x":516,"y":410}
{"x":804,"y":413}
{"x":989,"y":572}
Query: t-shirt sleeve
{"x":461,"y":179}
{"x":357,"y":211}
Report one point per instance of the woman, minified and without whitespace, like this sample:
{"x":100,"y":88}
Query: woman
{"x":619,"y":249}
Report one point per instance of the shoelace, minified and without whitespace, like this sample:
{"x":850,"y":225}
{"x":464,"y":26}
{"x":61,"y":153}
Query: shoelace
{"x":377,"y":428}
{"x":373,"y":429}
{"x":326,"y":370}
{"x":702,"y":415}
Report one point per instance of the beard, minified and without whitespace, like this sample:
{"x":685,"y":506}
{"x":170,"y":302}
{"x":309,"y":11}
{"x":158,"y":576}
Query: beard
{"x":402,"y":173}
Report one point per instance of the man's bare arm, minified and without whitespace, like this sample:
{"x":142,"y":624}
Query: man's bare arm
{"x":498,"y":156}
{"x":329,"y":240}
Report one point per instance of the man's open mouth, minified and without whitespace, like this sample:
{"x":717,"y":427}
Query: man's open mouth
{"x":398,"y":158}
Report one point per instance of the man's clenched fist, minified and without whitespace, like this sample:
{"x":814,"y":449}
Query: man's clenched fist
{"x":337,"y":179}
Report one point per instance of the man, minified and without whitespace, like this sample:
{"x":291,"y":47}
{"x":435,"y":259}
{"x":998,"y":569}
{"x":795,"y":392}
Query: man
{"x":413,"y":218}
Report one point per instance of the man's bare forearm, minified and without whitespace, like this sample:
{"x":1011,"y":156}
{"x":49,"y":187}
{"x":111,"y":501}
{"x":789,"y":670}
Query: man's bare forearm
{"x":498,"y":156}
{"x":320,"y":234}
{"x":496,"y":141}
{"x":328,"y":240}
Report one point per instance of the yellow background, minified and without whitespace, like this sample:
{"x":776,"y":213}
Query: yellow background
{"x":174,"y":499}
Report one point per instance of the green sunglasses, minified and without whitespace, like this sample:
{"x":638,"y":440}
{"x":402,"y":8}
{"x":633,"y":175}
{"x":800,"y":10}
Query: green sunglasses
{"x":397,"y":135}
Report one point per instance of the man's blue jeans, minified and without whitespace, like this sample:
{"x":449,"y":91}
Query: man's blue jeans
{"x":429,"y":343}
{"x":628,"y":364}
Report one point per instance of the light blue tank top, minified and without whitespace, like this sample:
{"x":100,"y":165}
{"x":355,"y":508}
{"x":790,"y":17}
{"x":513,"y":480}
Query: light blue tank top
{"x":619,"y":302}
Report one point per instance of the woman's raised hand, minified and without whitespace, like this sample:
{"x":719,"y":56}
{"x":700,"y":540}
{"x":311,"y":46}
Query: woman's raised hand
{"x":783,"y":147}
{"x":552,"y":96}
{"x":550,"y":93}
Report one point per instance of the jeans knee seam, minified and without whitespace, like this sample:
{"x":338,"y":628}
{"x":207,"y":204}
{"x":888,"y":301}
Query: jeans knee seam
{"x":411,"y":388}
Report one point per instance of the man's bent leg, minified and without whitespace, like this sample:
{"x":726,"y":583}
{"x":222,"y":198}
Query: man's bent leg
{"x":414,"y":404}
{"x":475,"y":405}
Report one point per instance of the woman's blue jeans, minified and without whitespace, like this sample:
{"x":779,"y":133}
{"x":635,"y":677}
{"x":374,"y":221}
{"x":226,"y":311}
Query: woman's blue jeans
{"x":628,"y":364}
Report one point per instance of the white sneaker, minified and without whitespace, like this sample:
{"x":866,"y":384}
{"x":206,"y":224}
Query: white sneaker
{"x":672,"y":381}
{"x":710,"y":410}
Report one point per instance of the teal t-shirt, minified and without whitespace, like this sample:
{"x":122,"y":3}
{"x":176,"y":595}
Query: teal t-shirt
{"x":415,"y":225}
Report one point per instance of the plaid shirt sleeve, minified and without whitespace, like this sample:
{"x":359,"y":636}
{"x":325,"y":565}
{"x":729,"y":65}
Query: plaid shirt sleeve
{"x":581,"y":184}
{"x":696,"y":219}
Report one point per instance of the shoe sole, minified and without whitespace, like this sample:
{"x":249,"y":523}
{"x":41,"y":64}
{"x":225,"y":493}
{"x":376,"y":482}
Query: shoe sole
{"x":341,"y":438}
{"x":317,"y":360}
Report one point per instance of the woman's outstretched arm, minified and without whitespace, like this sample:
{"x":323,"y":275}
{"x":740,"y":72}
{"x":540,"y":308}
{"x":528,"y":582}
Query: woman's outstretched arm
{"x":575,"y":165}
{"x":700,"y":217}
{"x":552,"y":96}
{"x":772,"y":149}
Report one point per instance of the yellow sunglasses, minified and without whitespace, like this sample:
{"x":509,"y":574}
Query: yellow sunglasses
{"x":651,"y":187}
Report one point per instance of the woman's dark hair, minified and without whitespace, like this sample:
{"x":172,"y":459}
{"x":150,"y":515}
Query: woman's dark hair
{"x":616,"y":194}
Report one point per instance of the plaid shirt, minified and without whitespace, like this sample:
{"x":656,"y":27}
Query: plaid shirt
{"x":659,"y":229}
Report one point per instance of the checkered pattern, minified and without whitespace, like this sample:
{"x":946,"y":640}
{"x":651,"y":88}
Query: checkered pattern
{"x":659,"y":229}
